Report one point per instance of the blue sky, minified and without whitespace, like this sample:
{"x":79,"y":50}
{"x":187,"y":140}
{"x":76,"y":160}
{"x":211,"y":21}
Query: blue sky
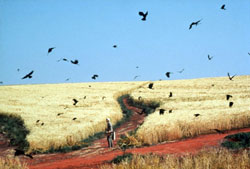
{"x":87,"y":29}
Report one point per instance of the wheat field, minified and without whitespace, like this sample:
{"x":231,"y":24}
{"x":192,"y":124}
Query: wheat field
{"x":97,"y":101}
{"x":206,"y":97}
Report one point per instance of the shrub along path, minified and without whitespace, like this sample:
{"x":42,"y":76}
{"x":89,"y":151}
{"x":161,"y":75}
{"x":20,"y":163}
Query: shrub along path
{"x":98,"y":153}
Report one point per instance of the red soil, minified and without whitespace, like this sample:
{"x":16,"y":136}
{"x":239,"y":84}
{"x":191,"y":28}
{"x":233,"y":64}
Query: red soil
{"x":98,"y":154}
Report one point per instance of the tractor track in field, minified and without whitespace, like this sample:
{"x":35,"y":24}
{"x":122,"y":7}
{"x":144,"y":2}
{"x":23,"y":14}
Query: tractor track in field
{"x":99,"y":154}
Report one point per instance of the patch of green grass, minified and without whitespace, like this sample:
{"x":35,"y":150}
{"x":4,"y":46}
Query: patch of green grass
{"x":13,"y":127}
{"x":119,"y":159}
{"x":237,"y":141}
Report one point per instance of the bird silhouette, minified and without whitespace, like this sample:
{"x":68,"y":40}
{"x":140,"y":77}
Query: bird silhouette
{"x":42,"y":124}
{"x":64,"y":59}
{"x":150,"y":86}
{"x":231,"y":104}
{"x":196,"y":115}
{"x":29,"y":75}
{"x":168,"y":74}
{"x":223,"y":7}
{"x":229,"y":96}
{"x":139,"y":98}
{"x":161,"y":112}
{"x":219,"y":131}
{"x":194,"y":23}
{"x":137,"y":67}
{"x":170,"y":94}
{"x":136,"y":76}
{"x":94,"y":77}
{"x":144,"y":15}
{"x":37,"y":121}
{"x":18,"y":69}
{"x":84,"y":97}
{"x":50,"y":49}
{"x":74,"y":118}
{"x":67,"y":79}
{"x":230,"y":77}
{"x":75,"y":102}
{"x":248,"y":53}
{"x":114,"y":46}
{"x":21,"y":152}
{"x":59,"y":114}
{"x":170,"y":111}
{"x":75,"y":62}
{"x":209,"y":57}
{"x":181,"y":71}
{"x":1,"y":82}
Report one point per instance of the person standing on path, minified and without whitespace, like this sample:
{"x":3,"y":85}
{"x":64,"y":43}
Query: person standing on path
{"x":109,"y":133}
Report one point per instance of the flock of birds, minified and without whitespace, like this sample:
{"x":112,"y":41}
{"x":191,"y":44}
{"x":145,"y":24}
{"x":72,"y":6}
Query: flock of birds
{"x":150,"y":86}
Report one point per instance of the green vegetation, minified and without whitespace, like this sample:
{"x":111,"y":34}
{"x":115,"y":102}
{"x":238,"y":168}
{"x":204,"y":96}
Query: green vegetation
{"x":125,"y":157}
{"x":13,"y":127}
{"x":237,"y":141}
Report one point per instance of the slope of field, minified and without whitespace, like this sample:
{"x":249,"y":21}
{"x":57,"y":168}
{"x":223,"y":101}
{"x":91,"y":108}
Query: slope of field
{"x":52,"y":105}
{"x":206,"y":97}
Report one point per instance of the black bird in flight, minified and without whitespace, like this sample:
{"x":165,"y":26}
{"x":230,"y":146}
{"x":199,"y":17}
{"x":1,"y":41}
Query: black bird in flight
{"x":168,"y":74}
{"x":67,"y":79}
{"x":150,"y":86}
{"x":75,"y":62}
{"x":21,"y":152}
{"x":64,"y":59}
{"x":229,"y":96}
{"x":144,"y":15}
{"x":84,"y":97}
{"x":209,"y":57}
{"x":170,"y":111}
{"x":196,"y":115}
{"x":18,"y":69}
{"x":136,"y":76}
{"x":194,"y":23}
{"x":170,"y":94}
{"x":223,"y":7}
{"x":248,"y":53}
{"x":114,"y":46}
{"x":1,"y":82}
{"x":230,"y":77}
{"x":74,"y":118}
{"x":219,"y":131}
{"x":75,"y":102}
{"x":181,"y":71}
{"x":161,"y":112}
{"x":29,"y":75}
{"x":42,"y":124}
{"x":138,"y":66}
{"x":50,"y":50}
{"x":94,"y":77}
{"x":231,"y":104}
{"x":37,"y":121}
{"x":59,"y":114}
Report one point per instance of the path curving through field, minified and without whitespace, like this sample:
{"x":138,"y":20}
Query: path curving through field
{"x":98,"y":153}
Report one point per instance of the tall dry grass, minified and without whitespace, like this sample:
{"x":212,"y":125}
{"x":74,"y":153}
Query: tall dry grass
{"x":44,"y":102}
{"x":205,"y":159}
{"x":206,"y":97}
{"x":11,"y":163}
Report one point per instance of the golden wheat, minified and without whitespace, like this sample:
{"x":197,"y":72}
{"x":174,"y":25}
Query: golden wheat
{"x":44,"y":102}
{"x":205,"y":159}
{"x":11,"y":163}
{"x":206,"y":97}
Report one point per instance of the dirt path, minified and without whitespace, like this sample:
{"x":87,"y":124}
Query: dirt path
{"x":98,"y":153}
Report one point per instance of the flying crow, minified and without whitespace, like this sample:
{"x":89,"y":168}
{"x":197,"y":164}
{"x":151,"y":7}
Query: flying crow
{"x":28,"y":75}
{"x":230,"y":77}
{"x":229,"y":96}
{"x":74,"y":118}
{"x":94,"y":77}
{"x":223,"y":7}
{"x":170,"y":94}
{"x":209,"y":57}
{"x":231,"y":104}
{"x":144,"y":15}
{"x":196,"y":115}
{"x":114,"y":46}
{"x":150,"y":86}
{"x":194,"y":23}
{"x":161,"y":112}
{"x":50,"y":50}
{"x":181,"y":71}
{"x":168,"y":74}
{"x":75,"y":102}
{"x":74,"y":62}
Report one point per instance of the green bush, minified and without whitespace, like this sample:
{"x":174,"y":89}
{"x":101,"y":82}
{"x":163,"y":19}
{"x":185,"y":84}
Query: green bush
{"x":237,"y":141}
{"x":14,"y":128}
{"x":118,"y":159}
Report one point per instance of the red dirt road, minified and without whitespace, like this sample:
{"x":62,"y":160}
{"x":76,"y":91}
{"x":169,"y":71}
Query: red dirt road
{"x":98,"y":154}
